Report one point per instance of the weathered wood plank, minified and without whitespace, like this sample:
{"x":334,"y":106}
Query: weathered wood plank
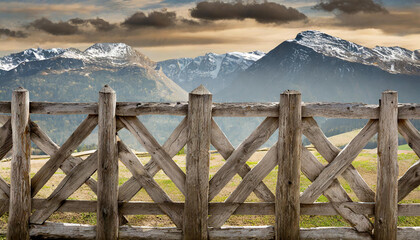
{"x":248,"y":109}
{"x":247,"y":208}
{"x":146,"y":108}
{"x":408,"y":111}
{"x":197,"y":164}
{"x":288,"y":160}
{"x":41,"y":139}
{"x":6,"y":142}
{"x":245,"y":109}
{"x":133,"y":164}
{"x":239,"y":157}
{"x":340,"y":110}
{"x":162,"y":158}
{"x":247,"y":185}
{"x":107,"y":212}
{"x":225,"y":148}
{"x":311,"y":167}
{"x":77,"y":176}
{"x":386,"y":212}
{"x":81,"y":231}
{"x":63,"y":108}
{"x":411,"y":179}
{"x":340,"y":163}
{"x":20,"y":184}
{"x":175,"y":142}
{"x":56,"y":160}
{"x":4,"y":187}
{"x":314,"y":134}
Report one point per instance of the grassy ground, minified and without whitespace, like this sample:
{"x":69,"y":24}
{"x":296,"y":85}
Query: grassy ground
{"x":342,"y":139}
{"x":365,"y":163}
{"x":404,"y":147}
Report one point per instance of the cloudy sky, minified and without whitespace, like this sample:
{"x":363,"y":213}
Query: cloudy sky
{"x":165,"y":29}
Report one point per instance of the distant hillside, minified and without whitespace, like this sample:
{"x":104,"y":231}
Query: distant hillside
{"x":70,"y":75}
{"x":214,"y":71}
{"x":320,"y":76}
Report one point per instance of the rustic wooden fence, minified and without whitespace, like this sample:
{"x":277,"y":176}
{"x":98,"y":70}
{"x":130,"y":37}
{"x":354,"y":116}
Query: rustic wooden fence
{"x":198,"y":217}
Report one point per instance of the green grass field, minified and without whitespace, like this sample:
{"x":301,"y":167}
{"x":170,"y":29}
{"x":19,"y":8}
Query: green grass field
{"x":404,"y":147}
{"x":365,"y":163}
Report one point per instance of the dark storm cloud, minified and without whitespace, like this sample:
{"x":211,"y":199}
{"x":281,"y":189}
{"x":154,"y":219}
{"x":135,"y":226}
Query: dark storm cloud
{"x":266,"y":12}
{"x":350,"y":6}
{"x":157,"y":19}
{"x":11,"y":33}
{"x":394,"y":22}
{"x":98,"y":23}
{"x":59,"y":28}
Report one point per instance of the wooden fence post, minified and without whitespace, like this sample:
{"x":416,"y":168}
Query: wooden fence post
{"x":287,"y":204}
{"x":107,"y":212}
{"x":386,"y":207}
{"x":20,"y":187}
{"x":198,"y":160}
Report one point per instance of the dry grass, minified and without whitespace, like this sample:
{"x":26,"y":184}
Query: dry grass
{"x":365,"y":163}
{"x":342,"y":139}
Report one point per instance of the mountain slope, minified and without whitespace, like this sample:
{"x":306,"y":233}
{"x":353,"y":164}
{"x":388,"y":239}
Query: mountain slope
{"x":215,"y":71}
{"x":73,"y":75}
{"x":318,"y":76}
{"x":390,"y":59}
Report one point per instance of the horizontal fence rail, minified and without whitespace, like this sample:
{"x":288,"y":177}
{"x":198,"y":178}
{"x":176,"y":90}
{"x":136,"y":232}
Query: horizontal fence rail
{"x":246,"y":109}
{"x":199,"y":216}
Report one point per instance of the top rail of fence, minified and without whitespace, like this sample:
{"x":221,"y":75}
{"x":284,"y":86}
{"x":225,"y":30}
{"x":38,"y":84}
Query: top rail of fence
{"x":244,"y":109}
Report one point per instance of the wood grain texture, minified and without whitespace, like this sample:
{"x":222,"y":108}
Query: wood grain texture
{"x":73,"y":180}
{"x":162,"y":158}
{"x":81,"y":231}
{"x":107,"y":212}
{"x":247,"y":208}
{"x":289,"y":164}
{"x":239,"y":157}
{"x":63,"y":108}
{"x":340,"y":163}
{"x":155,"y":192}
{"x":327,"y":150}
{"x":41,"y":139}
{"x":175,"y":142}
{"x":20,"y":184}
{"x":197,"y":164}
{"x":311,"y":167}
{"x":411,"y":179}
{"x":6,"y":141}
{"x":386,"y":211}
{"x":246,"y":187}
{"x":225,"y":148}
{"x":56,"y":160}
{"x":244,"y":109}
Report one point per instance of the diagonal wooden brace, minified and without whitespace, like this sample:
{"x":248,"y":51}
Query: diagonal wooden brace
{"x":315,"y":135}
{"x":56,"y":160}
{"x":246,"y":187}
{"x":172,"y":146}
{"x":225,"y":148}
{"x":143,"y":177}
{"x":340,"y":163}
{"x":162,"y":158}
{"x":239,"y":157}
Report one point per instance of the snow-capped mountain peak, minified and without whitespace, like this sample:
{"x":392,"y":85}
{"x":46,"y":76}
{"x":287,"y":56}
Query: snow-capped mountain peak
{"x":391,"y":59}
{"x":106,"y":50}
{"x":188,"y":72}
{"x":99,"y":54}
{"x":33,"y":54}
